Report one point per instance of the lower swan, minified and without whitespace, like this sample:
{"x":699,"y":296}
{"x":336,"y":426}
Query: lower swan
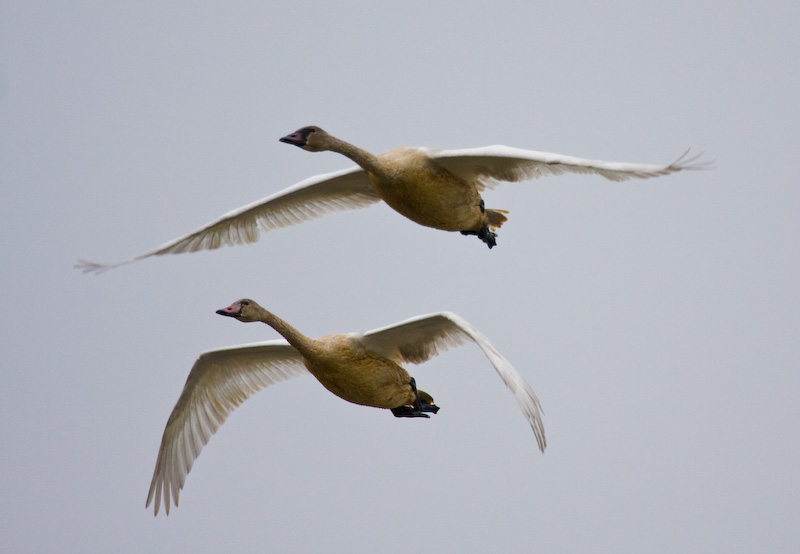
{"x":362,"y":368}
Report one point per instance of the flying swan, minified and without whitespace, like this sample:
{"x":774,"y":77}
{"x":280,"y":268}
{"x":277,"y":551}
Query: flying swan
{"x":435,"y":188}
{"x":362,"y":368}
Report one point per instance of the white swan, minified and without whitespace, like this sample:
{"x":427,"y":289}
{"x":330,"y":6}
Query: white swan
{"x":435,"y":188}
{"x":362,"y":368}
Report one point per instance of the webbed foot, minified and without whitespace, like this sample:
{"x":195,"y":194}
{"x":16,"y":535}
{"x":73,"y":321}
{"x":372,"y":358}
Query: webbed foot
{"x":408,"y":411}
{"x":422,"y":403}
{"x":487,"y":236}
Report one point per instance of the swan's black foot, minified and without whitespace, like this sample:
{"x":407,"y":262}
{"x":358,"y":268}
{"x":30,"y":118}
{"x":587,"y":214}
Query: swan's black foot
{"x":488,"y":237}
{"x":485,"y":235}
{"x":415,"y":411}
{"x":433,"y":408}
{"x":423,"y":403}
{"x":408,"y":411}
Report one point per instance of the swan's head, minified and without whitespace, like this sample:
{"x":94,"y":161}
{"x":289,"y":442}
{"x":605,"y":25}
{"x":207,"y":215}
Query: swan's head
{"x":310,"y":138}
{"x":245,"y":310}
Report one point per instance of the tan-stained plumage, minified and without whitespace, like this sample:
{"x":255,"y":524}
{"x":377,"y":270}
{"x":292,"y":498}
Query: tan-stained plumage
{"x":435,"y":188}
{"x":362,"y":368}
{"x":409,"y":181}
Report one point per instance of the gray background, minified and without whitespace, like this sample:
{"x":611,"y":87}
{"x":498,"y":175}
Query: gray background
{"x":657,"y":320}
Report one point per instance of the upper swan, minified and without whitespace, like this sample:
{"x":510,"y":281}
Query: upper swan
{"x":363,"y":368}
{"x":435,"y":188}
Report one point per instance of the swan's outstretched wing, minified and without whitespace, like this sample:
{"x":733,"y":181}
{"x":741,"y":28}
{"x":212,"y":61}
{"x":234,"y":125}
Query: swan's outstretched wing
{"x":420,"y":338}
{"x":220,"y":380}
{"x":319,"y":195}
{"x":490,"y":164}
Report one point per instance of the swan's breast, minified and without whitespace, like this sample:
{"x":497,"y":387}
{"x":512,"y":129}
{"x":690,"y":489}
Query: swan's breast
{"x":347,"y":370}
{"x":413,"y":185}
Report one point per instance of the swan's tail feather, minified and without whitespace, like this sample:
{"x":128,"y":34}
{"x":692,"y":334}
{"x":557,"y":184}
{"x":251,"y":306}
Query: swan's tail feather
{"x":424,"y":397}
{"x":495,"y":218}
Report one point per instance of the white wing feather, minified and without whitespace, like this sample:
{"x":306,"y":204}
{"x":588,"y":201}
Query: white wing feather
{"x":219,"y":381}
{"x":420,"y":338}
{"x":490,"y":164}
{"x":319,"y":195}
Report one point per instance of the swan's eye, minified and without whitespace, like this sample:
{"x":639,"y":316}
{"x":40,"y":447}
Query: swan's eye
{"x":245,"y":303}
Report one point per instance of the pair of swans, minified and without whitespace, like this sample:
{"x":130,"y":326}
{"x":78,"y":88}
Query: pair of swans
{"x":435,"y":188}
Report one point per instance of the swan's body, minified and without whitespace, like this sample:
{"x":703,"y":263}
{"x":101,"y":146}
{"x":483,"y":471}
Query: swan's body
{"x":410,"y":183}
{"x":435,"y":188}
{"x":362,"y":368}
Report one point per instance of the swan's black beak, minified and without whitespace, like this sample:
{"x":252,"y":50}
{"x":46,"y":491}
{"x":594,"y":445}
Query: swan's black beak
{"x":300,"y":137}
{"x":295,"y":138}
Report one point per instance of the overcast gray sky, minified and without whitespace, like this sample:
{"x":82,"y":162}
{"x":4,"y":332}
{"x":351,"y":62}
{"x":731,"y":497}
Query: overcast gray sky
{"x":657,"y":320}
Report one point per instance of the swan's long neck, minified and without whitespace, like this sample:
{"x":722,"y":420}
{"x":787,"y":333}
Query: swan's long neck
{"x":292,"y":335}
{"x":363,"y":158}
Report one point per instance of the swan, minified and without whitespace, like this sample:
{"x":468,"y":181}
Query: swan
{"x":434,"y":188}
{"x":362,"y":368}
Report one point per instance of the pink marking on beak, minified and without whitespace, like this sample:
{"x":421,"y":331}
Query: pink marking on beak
{"x":233,"y":310}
